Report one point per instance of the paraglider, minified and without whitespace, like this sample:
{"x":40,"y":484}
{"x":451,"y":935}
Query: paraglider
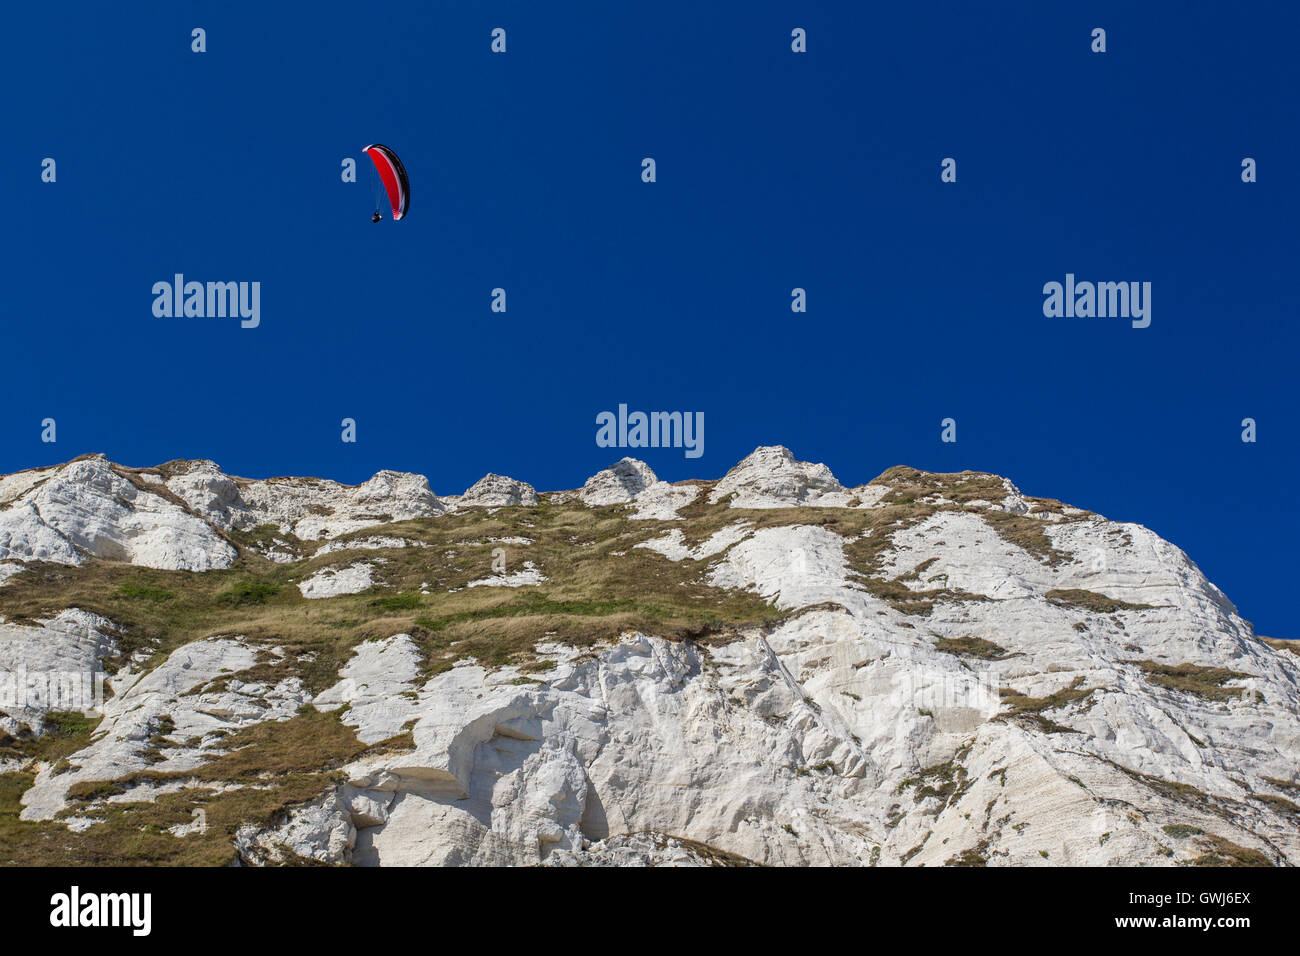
{"x":392,"y":175}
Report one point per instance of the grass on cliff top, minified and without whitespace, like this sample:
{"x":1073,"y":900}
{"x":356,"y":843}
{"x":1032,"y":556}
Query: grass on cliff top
{"x":1291,"y":646}
{"x":964,"y":490}
{"x":598,"y":586}
{"x":910,"y":498}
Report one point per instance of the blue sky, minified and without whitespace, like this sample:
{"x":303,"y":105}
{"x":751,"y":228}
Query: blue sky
{"x":775,"y":170}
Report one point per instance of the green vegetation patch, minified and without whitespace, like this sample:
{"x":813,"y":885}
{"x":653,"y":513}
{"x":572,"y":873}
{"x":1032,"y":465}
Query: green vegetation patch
{"x":1031,"y":711}
{"x":977,"y":855}
{"x":280,"y":765}
{"x":1222,"y":852}
{"x":1286,"y":786}
{"x":248,"y":591}
{"x":1018,"y":703}
{"x":910,"y":498}
{"x":64,"y":732}
{"x":1204,"y":682}
{"x":947,"y":782}
{"x":1280,"y":804}
{"x":1291,"y":646}
{"x":971,"y":647}
{"x":142,"y":592}
{"x":397,"y":602}
{"x":1029,"y":534}
{"x":905,"y":600}
{"x":1184,"y":793}
{"x":1092,"y":601}
{"x":598,"y":586}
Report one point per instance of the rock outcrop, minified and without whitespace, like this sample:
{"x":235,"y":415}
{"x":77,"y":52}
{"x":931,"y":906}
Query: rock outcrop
{"x":949,"y":672}
{"x":497,"y":491}
{"x":630,"y":481}
{"x":618,"y":484}
{"x":770,"y":477}
{"x":309,"y":508}
{"x":87,"y":508}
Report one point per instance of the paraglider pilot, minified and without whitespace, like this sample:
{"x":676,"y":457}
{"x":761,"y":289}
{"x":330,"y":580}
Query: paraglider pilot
{"x":392,"y":175}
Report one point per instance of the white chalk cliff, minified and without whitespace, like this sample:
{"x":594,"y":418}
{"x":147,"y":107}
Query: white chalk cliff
{"x":1001,"y":680}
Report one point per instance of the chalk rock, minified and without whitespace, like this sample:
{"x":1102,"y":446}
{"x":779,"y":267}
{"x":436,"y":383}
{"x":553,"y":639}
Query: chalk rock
{"x":52,"y":665}
{"x":373,"y":686}
{"x":332,"y":582}
{"x":310,"y":508}
{"x":527,"y":576}
{"x":633,"y":481}
{"x":641,"y":849}
{"x":942,"y":685}
{"x":195,"y":694}
{"x":368,"y":543}
{"x":320,"y":831}
{"x":770,"y":477}
{"x":497,"y":491}
{"x":618,"y":484}
{"x":87,"y":509}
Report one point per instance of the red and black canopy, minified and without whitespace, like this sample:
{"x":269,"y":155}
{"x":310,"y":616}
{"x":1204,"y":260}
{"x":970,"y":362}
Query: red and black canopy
{"x":393,"y":175}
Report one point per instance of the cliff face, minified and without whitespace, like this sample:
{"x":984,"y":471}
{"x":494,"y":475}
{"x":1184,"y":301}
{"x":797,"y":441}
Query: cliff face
{"x":770,"y":667}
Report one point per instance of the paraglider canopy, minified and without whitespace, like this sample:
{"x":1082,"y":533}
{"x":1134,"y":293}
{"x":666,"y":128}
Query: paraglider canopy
{"x":393,"y":175}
